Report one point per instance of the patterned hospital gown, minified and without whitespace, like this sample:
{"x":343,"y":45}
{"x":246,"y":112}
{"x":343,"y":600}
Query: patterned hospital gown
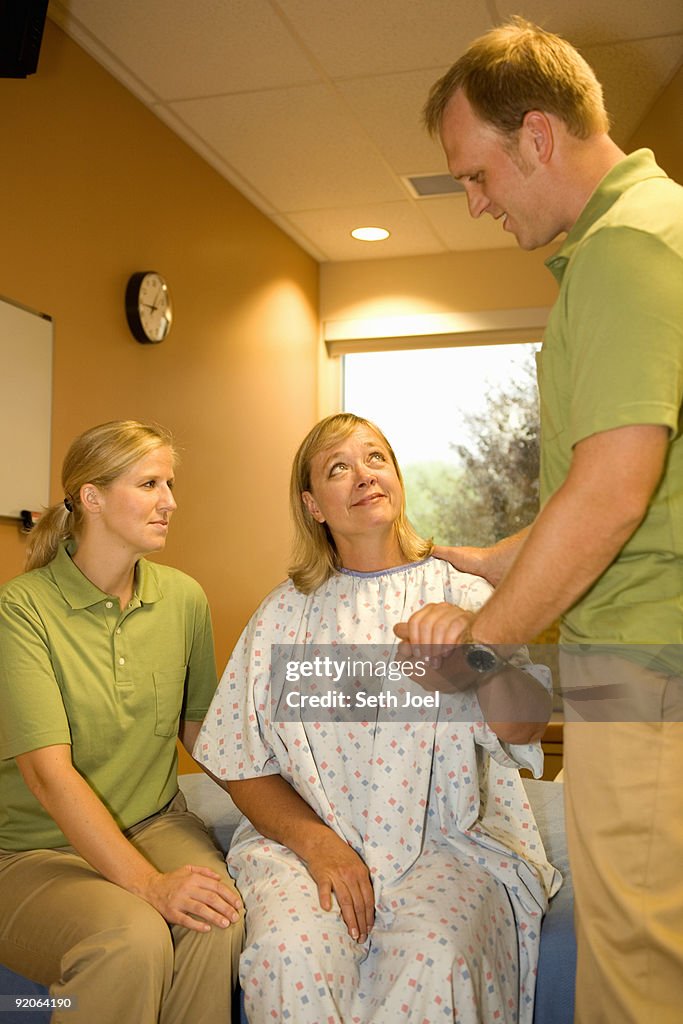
{"x":435,"y":808}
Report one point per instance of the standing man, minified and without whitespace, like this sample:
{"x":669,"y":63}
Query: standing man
{"x":522,"y":122}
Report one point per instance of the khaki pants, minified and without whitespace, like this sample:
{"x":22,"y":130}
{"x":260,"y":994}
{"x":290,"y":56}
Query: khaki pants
{"x":64,"y":926}
{"x":624,"y":806}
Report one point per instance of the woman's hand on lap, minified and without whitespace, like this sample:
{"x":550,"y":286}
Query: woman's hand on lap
{"x":193,"y":896}
{"x":336,"y":868}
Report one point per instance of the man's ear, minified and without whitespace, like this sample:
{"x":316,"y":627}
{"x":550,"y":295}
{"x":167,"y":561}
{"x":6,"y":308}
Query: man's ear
{"x":538,"y":131}
{"x":310,"y":503}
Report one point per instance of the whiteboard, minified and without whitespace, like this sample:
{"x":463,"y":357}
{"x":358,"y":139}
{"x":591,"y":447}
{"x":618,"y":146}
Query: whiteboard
{"x":25,"y":408}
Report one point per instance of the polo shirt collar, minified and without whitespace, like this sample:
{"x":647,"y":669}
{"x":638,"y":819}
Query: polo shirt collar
{"x":78,"y":590}
{"x":636,"y":167}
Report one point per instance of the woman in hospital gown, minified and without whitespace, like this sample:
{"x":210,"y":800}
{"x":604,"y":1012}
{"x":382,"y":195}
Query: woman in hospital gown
{"x":414,"y":819}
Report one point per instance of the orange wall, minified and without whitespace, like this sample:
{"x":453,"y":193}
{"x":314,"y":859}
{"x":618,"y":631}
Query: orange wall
{"x":448,"y":282}
{"x":95,"y":187}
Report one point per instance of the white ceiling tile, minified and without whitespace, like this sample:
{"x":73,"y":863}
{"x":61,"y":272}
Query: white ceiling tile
{"x":331,"y":230}
{"x":200,"y":48}
{"x":451,"y":220}
{"x":390,"y":109}
{"x":355,"y":37}
{"x":585,"y":22}
{"x":632,"y":74}
{"x":299,"y":147}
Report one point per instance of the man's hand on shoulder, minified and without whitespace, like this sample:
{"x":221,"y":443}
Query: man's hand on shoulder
{"x":472,"y":560}
{"x":489,"y":563}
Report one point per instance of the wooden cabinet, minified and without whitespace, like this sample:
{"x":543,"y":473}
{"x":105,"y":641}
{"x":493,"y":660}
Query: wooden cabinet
{"x":552,"y":747}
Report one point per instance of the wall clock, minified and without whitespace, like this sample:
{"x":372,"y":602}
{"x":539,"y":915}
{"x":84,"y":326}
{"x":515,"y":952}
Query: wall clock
{"x":148,"y":307}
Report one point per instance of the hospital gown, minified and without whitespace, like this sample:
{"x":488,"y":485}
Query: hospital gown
{"x":433,"y":805}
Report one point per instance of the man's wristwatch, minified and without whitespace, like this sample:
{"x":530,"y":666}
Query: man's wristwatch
{"x":483,"y":659}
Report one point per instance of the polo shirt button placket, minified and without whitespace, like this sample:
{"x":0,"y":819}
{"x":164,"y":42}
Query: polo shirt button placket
{"x":110,"y":615}
{"x":121,"y":666}
{"x":120,"y":654}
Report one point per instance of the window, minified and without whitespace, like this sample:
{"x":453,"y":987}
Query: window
{"x":464,"y":425}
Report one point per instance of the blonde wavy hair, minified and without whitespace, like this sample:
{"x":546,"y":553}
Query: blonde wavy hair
{"x":98,"y":456}
{"x":518,"y":67}
{"x":315,"y":557}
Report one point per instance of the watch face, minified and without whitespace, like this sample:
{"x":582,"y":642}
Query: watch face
{"x":148,"y":307}
{"x":481,"y":659}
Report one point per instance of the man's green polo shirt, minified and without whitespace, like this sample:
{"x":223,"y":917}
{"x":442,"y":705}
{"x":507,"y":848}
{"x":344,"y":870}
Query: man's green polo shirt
{"x":76,"y":669}
{"x":613,"y":356}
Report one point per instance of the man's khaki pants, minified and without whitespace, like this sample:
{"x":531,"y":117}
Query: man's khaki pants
{"x":624,"y":806}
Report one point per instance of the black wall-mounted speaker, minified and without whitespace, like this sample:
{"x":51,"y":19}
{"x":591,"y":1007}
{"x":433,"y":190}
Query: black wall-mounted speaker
{"x":21,"y":33}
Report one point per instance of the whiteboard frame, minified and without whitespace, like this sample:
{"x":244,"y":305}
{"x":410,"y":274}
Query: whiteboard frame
{"x":26,"y":358}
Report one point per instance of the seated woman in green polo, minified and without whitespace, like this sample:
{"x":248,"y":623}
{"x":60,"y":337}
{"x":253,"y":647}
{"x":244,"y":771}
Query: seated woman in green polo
{"x":111,"y":892}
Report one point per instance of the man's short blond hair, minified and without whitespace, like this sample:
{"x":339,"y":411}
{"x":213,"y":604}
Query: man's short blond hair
{"x":518,"y":67}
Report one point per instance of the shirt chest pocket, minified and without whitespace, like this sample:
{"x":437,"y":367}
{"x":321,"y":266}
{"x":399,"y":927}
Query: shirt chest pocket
{"x":169,"y":690}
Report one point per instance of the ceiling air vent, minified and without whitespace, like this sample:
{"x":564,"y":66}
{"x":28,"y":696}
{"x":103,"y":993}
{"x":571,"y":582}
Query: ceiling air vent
{"x":431,"y":186}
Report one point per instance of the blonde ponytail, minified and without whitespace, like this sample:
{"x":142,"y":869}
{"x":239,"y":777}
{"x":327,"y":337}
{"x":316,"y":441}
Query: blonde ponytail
{"x":54,"y":526}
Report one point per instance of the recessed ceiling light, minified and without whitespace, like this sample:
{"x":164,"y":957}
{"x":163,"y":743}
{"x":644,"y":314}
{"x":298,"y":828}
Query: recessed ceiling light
{"x":370,"y":234}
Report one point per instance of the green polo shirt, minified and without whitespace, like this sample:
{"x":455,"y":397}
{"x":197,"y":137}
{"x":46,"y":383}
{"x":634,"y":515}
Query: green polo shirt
{"x":76,"y":669}
{"x":613,"y":356}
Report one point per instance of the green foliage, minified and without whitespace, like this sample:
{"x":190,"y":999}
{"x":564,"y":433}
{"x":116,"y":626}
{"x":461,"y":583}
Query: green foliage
{"x":493,"y":491}
{"x":438,"y":497}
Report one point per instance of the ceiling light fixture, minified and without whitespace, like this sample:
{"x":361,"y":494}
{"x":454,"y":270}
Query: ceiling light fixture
{"x":370,"y":234}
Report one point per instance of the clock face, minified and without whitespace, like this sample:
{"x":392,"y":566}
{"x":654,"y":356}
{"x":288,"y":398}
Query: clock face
{"x":148,"y":307}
